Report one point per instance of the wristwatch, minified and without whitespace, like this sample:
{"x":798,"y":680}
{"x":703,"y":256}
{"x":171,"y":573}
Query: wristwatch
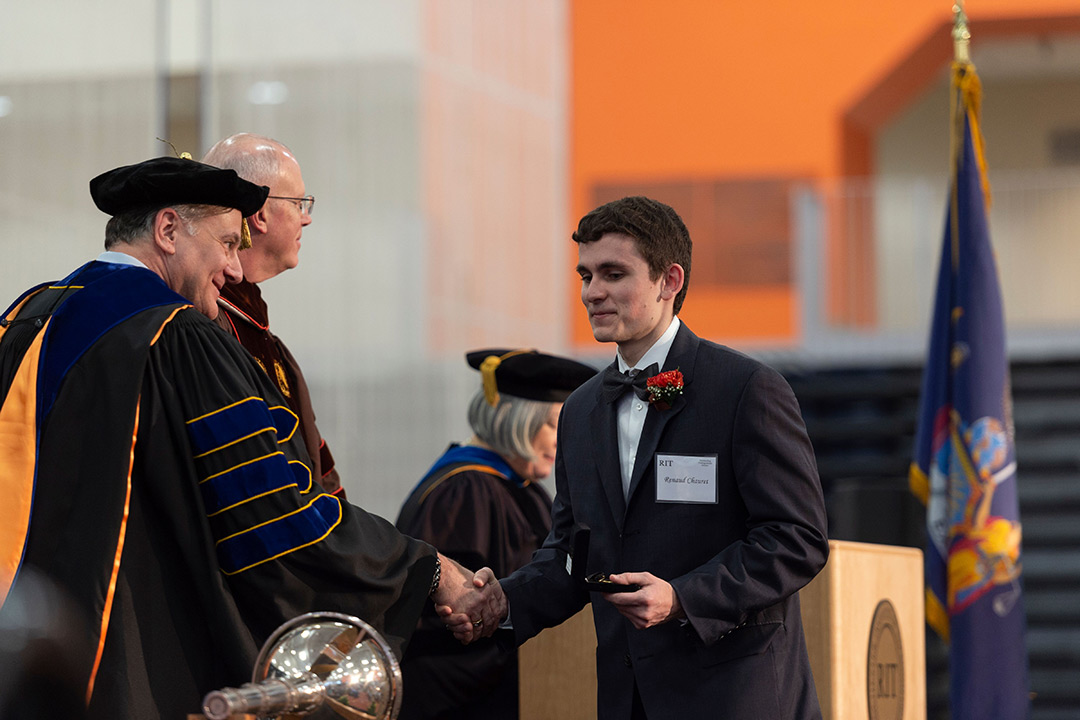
{"x":436,"y":577}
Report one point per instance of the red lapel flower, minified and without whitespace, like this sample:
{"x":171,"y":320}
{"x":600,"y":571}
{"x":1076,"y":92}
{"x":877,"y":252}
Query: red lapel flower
{"x":664,"y":388}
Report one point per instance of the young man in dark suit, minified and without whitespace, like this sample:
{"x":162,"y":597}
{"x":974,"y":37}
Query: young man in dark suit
{"x":698,"y":485}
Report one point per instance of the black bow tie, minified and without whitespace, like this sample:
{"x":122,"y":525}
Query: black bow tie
{"x":616,"y":383}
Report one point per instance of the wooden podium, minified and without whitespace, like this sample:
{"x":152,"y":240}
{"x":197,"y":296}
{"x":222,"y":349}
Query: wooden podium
{"x":864,"y":622}
{"x":557,"y":672}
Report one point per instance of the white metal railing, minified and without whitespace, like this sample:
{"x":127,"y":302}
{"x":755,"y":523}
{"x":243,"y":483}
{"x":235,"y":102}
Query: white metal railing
{"x":899,"y":223}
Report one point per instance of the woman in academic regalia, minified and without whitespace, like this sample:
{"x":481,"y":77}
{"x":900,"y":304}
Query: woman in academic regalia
{"x":481,"y":504}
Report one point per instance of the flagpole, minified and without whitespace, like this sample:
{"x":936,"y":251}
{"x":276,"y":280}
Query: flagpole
{"x":961,"y":65}
{"x":961,"y":60}
{"x":961,"y":35}
{"x":965,"y":102}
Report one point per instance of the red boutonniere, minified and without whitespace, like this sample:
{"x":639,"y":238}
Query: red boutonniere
{"x":664,"y":388}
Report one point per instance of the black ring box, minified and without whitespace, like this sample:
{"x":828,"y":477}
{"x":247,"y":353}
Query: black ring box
{"x":598,"y":581}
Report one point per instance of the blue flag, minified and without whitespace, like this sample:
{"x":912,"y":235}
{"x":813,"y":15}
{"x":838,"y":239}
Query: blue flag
{"x":965,"y":461}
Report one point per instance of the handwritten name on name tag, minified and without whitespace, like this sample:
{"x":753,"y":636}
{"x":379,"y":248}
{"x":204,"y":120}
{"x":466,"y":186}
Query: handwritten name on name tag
{"x":686,"y":478}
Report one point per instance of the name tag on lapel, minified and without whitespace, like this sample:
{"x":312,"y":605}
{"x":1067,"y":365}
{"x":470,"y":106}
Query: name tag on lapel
{"x":686,"y":479}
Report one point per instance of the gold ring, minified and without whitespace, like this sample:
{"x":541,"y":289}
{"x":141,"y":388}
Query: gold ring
{"x":478,"y":623}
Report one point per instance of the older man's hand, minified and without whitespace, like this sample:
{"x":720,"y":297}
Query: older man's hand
{"x":478,"y":612}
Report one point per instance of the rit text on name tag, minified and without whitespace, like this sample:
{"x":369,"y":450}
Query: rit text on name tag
{"x":686,"y":478}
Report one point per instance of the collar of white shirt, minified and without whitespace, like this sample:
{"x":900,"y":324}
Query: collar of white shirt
{"x":119,"y":258}
{"x":657,"y":353}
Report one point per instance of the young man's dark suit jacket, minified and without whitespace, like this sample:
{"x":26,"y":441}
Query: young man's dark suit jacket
{"x":736,"y":565}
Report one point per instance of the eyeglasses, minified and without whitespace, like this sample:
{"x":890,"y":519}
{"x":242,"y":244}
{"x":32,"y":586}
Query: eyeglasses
{"x":306,"y":203}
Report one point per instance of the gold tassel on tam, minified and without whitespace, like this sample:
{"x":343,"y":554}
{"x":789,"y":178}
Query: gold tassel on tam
{"x":245,"y":234}
{"x":487,"y":375}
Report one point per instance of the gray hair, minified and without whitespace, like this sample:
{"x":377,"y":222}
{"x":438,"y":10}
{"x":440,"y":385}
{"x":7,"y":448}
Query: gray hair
{"x":509,"y":427}
{"x":130,"y":227}
{"x":255,"y":158}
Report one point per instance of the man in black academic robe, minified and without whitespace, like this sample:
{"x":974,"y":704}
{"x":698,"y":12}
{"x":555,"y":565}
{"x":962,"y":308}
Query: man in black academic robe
{"x":156,"y":476}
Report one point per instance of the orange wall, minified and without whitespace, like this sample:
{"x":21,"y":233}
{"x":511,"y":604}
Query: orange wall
{"x":718,"y":89}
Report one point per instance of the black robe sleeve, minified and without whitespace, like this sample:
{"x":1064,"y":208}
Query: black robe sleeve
{"x":283,"y":546}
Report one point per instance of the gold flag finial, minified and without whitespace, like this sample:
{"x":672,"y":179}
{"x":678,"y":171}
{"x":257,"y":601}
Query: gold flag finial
{"x":961,"y":35}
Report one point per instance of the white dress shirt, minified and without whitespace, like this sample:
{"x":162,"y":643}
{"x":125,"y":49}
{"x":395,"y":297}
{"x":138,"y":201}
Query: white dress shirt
{"x":119,"y":258}
{"x":630,"y":410}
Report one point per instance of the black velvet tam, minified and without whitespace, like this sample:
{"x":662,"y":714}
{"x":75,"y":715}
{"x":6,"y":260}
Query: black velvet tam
{"x":166,"y":181}
{"x":531,"y":375}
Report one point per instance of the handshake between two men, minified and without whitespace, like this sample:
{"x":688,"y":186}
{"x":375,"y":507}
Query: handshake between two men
{"x":477,"y":609}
